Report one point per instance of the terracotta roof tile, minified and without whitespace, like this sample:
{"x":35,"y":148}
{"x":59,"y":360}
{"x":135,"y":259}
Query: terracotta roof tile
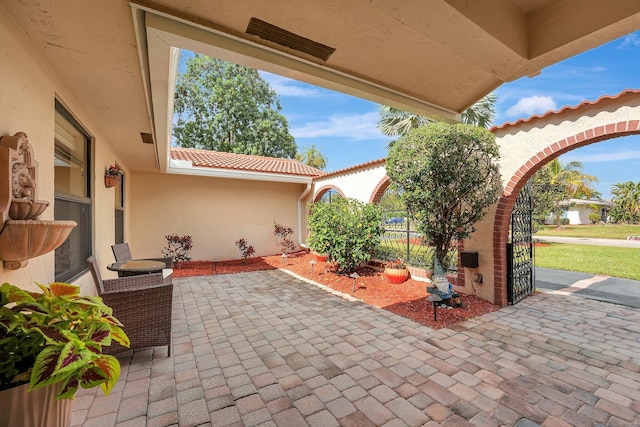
{"x":568,"y":108}
{"x":243,"y":162}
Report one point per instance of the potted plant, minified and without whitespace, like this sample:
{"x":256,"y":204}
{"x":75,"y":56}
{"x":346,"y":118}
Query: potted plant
{"x":112,"y":176}
{"x":396,"y":271}
{"x":51,"y":344}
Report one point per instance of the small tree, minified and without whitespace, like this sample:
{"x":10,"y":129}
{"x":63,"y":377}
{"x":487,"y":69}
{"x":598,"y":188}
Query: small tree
{"x":346,"y":230}
{"x":447,"y":176}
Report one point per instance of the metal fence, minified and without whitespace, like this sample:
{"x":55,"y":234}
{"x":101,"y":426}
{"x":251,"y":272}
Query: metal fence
{"x":401,"y":239}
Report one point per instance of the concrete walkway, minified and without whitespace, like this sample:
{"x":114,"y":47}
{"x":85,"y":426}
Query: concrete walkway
{"x":266,"y":349}
{"x":589,"y":241}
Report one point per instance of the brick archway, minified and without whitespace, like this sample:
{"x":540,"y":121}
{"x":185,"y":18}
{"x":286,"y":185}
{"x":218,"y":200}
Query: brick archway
{"x":522,"y":175}
{"x":378,"y":192}
{"x":322,"y":190}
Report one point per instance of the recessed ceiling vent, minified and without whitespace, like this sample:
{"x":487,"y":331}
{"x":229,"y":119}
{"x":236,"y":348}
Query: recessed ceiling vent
{"x":147,"y":138}
{"x":286,"y":38}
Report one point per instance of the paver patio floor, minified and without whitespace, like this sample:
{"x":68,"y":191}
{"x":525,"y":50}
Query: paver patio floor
{"x":264,"y":348}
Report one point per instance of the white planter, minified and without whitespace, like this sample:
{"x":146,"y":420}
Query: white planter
{"x":36,"y":408}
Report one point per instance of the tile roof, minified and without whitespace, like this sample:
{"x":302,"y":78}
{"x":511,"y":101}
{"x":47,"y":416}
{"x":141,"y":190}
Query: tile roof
{"x":243,"y":162}
{"x":583,"y":104}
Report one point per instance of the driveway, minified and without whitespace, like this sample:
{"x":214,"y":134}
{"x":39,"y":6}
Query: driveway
{"x":266,"y":349}
{"x":603,"y":288}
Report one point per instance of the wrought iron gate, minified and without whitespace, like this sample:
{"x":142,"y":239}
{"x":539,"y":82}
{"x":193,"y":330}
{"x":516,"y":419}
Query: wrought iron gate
{"x":520,"y":249}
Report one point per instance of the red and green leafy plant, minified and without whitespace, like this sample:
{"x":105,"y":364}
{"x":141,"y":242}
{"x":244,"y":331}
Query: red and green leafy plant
{"x":57,"y":337}
{"x":286,"y":244}
{"x":178,"y":247}
{"x":246,"y":250}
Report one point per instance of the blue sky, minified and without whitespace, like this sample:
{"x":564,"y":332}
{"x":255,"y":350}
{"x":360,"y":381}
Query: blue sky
{"x":344,"y":127}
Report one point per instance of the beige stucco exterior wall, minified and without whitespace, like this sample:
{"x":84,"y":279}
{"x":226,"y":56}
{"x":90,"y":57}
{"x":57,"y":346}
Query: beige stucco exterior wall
{"x":216,"y":212}
{"x":358,"y":184}
{"x":482,"y":242}
{"x":28,"y":88}
{"x":520,"y":143}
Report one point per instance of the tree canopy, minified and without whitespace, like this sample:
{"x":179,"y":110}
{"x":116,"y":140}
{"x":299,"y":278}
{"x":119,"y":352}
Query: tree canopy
{"x":394,"y":122}
{"x":311,"y":156}
{"x":626,"y":199}
{"x":447,"y":175}
{"x":223,"y":106}
{"x":556,"y":182}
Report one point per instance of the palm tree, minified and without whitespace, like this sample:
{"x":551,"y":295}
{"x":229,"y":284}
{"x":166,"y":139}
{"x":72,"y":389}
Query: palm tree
{"x":570,"y":176}
{"x":311,"y":156}
{"x":394,"y":122}
{"x":626,"y":197}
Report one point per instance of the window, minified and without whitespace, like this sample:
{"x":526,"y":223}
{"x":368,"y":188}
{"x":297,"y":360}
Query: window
{"x":119,"y":207}
{"x":72,"y":193}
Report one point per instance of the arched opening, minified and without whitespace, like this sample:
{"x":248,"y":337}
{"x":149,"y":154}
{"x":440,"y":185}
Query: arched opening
{"x":327,"y":193}
{"x":524,"y":173}
{"x":380,"y":190}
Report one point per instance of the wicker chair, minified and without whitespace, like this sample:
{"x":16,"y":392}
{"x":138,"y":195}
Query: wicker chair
{"x":143,"y":305}
{"x":121,"y":253}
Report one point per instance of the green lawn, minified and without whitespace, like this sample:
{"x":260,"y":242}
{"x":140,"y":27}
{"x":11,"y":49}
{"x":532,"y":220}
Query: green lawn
{"x":607,"y":231}
{"x":610,"y":261}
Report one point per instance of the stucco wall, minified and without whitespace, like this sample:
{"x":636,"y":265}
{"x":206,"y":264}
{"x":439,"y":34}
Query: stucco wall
{"x":28,"y":88}
{"x":358,"y":184}
{"x":214,"y":211}
{"x":520,"y":143}
{"x":482,"y":242}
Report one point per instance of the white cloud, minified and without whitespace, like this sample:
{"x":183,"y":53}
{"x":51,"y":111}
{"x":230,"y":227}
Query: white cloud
{"x":530,"y":105}
{"x":352,"y":126}
{"x":287,"y":87}
{"x":614,"y":156}
{"x":632,"y":40}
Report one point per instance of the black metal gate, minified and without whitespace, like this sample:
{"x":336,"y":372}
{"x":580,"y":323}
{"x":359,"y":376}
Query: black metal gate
{"x":520,"y":249}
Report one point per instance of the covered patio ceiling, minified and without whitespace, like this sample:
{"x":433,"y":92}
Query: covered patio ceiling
{"x":434,"y":57}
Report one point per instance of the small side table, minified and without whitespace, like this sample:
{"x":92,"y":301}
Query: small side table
{"x":435,"y":299}
{"x":137,"y":266}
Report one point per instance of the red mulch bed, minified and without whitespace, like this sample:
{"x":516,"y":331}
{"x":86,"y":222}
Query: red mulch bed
{"x":408,"y":299}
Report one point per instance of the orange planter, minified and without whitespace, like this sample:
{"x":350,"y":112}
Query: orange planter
{"x":396,"y":275}
{"x":321,"y":258}
{"x":111,"y":180}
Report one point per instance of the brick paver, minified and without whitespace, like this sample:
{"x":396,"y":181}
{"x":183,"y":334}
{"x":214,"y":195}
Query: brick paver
{"x":265,"y":348}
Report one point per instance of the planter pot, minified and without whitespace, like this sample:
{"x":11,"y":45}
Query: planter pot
{"x":321,"y":258}
{"x":36,"y":408}
{"x":396,"y":275}
{"x":111,"y":180}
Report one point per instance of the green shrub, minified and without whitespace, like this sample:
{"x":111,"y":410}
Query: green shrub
{"x":564,"y":221}
{"x":594,"y":218}
{"x":346,"y":230}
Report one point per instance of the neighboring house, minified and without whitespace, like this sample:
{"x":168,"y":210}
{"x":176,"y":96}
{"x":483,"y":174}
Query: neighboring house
{"x":578,"y":210}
